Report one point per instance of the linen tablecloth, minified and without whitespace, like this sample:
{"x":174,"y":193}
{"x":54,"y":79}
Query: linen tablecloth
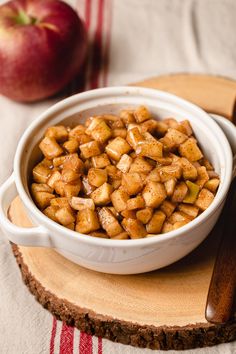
{"x":129,"y":40}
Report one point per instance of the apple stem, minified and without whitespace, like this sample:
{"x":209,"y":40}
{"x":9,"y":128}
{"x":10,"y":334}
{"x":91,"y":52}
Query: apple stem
{"x":24,"y":19}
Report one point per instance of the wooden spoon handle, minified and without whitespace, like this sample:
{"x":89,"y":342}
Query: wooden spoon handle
{"x":221,"y":295}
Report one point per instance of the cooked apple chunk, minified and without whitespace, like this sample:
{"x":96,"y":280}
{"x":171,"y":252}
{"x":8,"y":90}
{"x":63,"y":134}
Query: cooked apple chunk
{"x":202,"y":176}
{"x":87,"y":221}
{"x":180,"y":192}
{"x":170,"y":186}
{"x":188,"y":169}
{"x":42,"y":199}
{"x":87,"y":188}
{"x":73,"y":162}
{"x":154,"y":226}
{"x":97,"y":176}
{"x":40,"y":187}
{"x":41,"y":173}
{"x":154,"y":176}
{"x":77,"y":131}
{"x":190,"y":210}
{"x":50,"y":212}
{"x":100,"y":234}
{"x":134,"y":228}
{"x":187,"y":127}
{"x":102,"y":195}
{"x":193,"y":190}
{"x":119,"y":199}
{"x":135,"y":203}
{"x":149,"y":125}
{"x":149,"y":148}
{"x":100,"y":161}
{"x":144,"y":215}
{"x":132,"y":183}
{"x":122,"y":236}
{"x":71,"y":146}
{"x":78,"y":203}
{"x":117,"y":147}
{"x":50,"y":148}
{"x":59,"y":133}
{"x":178,"y":216}
{"x":141,"y":114}
{"x":175,"y":136}
{"x":65,"y":216}
{"x":190,"y":150}
{"x":212,"y":184}
{"x":124,"y":163}
{"x":101,"y":132}
{"x":109,"y":223}
{"x":154,"y":194}
{"x":68,"y":175}
{"x":55,"y":176}
{"x":205,"y":198}
{"x":127,"y":116}
{"x":60,"y":202}
{"x":134,"y":137}
{"x":72,"y":189}
{"x":90,"y":149}
{"x":167,"y":207}
{"x":140,"y":165}
{"x":169,"y":172}
{"x":167,"y":227}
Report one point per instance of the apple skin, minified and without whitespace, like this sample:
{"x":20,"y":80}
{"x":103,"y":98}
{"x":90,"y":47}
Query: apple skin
{"x":37,"y":60}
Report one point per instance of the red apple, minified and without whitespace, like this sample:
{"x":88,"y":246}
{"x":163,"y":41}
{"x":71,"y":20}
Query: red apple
{"x":43,"y":44}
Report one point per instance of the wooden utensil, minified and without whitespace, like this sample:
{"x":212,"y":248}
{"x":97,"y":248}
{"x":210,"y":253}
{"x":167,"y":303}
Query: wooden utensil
{"x":222,"y":290}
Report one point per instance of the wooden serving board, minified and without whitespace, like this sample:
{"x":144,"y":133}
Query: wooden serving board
{"x":159,"y":310}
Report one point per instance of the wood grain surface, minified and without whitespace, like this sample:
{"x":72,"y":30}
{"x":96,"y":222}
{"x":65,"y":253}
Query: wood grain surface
{"x":160,"y":310}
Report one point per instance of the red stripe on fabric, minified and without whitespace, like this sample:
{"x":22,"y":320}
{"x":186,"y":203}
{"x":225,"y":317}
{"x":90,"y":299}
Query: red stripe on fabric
{"x":99,"y":345}
{"x":108,"y":7}
{"x":87,"y":17}
{"x":85,"y":343}
{"x":53,"y":335}
{"x":97,"y":48}
{"x":67,"y":339}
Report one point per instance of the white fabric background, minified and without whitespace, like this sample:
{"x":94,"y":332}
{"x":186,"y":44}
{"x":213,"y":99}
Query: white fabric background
{"x":149,"y":37}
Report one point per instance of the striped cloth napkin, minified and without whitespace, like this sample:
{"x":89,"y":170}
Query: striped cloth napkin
{"x":129,"y":40}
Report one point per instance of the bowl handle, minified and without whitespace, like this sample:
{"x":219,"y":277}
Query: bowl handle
{"x":230,"y":132}
{"x":34,"y":236}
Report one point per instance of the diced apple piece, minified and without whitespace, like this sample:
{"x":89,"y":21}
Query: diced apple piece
{"x":78,"y":203}
{"x":60,"y":202}
{"x":70,"y":226}
{"x":121,"y":132}
{"x":73,"y":162}
{"x":72,"y":189}
{"x":100,"y":234}
{"x":58,"y":161}
{"x":167,"y":227}
{"x":149,"y":148}
{"x":212,"y":174}
{"x":114,"y":212}
{"x":132,"y":183}
{"x":55,"y":176}
{"x":190,"y":210}
{"x":190,"y":150}
{"x":134,"y":228}
{"x":144,"y":215}
{"x":154,"y":176}
{"x":170,"y":186}
{"x":205,"y":198}
{"x":128,"y":214}
{"x":87,"y":188}
{"x":50,"y":212}
{"x":167,"y":207}
{"x":119,"y":199}
{"x":71,"y":146}
{"x":187,"y":127}
{"x":102,"y":195}
{"x":69,"y":175}
{"x":118,"y":124}
{"x":170,"y":172}
{"x":116,"y":183}
{"x":178,"y":216}
{"x":59,"y":133}
{"x":179,"y":224}
{"x":141,"y":114}
{"x":205,"y":162}
{"x":193,"y":190}
{"x":122,"y":236}
{"x":40,"y":187}
{"x":212,"y":184}
{"x":113,"y":172}
{"x":180,"y":192}
{"x":100,"y":161}
{"x":127,"y":116}
{"x":97,"y":176}
{"x":41,"y":173}
{"x":175,"y":136}
{"x":154,"y":226}
{"x":124,"y":163}
{"x":101,"y":132}
{"x":91,"y":124}
{"x":140,"y":165}
{"x":189,"y":170}
{"x":161,"y":128}
{"x":65,"y":216}
{"x":50,"y":148}
{"x":154,"y":194}
{"x":109,"y":223}
{"x":90,"y":149}
{"x":135,"y":203}
{"x":42,"y":199}
{"x":202,"y":176}
{"x":171,"y":122}
{"x":59,"y":187}
{"x":164,"y":161}
{"x":117,"y":147}
{"x":77,"y":131}
{"x":134,"y":137}
{"x":149,"y":125}
{"x":87,"y":221}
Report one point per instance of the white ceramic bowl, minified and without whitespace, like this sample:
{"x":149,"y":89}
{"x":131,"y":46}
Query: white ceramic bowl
{"x":117,"y":256}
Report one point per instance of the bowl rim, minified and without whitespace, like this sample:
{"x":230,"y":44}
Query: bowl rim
{"x":49,"y":224}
